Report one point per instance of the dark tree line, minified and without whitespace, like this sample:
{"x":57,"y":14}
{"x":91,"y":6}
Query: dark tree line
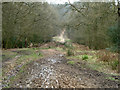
{"x":89,"y":23}
{"x":93,"y":24}
{"x":25,"y":23}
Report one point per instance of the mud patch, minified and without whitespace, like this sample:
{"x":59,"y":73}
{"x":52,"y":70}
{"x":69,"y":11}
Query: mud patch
{"x":52,"y":71}
{"x":22,"y":52}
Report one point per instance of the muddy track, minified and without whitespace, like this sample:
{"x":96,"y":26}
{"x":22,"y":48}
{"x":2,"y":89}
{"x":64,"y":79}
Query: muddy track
{"x":53,"y":71}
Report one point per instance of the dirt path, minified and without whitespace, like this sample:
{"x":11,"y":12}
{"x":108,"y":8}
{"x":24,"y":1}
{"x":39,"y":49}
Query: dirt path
{"x":52,"y":71}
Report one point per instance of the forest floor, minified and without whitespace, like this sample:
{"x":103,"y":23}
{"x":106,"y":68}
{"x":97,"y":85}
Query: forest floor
{"x":49,"y":66}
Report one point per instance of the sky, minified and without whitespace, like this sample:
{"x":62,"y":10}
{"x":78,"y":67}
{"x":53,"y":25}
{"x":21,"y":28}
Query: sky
{"x":72,"y":1}
{"x":60,"y":1}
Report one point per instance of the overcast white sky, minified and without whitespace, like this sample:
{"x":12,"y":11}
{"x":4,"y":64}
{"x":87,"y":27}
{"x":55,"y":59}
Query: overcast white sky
{"x":72,"y":1}
{"x":60,"y":1}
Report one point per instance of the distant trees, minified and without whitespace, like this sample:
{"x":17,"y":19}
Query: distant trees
{"x":118,"y":28}
{"x":25,"y":23}
{"x":90,"y":22}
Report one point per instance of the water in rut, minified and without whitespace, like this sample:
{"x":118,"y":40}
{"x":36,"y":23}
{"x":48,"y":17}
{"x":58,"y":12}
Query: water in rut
{"x":52,"y":71}
{"x":44,"y":73}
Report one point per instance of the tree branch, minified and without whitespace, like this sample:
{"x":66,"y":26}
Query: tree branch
{"x":76,"y":8}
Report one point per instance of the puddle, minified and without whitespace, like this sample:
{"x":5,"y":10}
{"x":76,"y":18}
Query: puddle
{"x":49,"y":75}
{"x":52,"y":60}
{"x":44,"y":73}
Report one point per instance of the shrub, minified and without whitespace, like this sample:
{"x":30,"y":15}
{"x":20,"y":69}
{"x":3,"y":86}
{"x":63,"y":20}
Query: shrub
{"x":70,"y":52}
{"x":114,"y":64}
{"x":106,"y":56}
{"x":109,"y":57}
{"x":103,"y":56}
{"x":84,"y":57}
{"x":68,"y":45}
{"x":39,"y":54}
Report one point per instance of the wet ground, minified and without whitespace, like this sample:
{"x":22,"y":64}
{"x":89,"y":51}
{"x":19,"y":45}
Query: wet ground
{"x":52,"y":71}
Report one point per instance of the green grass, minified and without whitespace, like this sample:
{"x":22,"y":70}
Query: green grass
{"x":59,"y":49}
{"x":84,"y":57}
{"x":32,"y":56}
{"x":114,"y":64}
{"x":19,"y":74}
{"x":71,"y":62}
{"x":8,"y":55}
{"x":22,"y":60}
{"x":68,"y":40}
{"x":12,"y":78}
{"x":93,"y":62}
{"x":110,"y":78}
{"x":86,"y":51}
{"x":96,"y":66}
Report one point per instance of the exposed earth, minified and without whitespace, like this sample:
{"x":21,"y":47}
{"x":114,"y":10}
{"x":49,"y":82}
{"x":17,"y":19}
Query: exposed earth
{"x":52,"y":71}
